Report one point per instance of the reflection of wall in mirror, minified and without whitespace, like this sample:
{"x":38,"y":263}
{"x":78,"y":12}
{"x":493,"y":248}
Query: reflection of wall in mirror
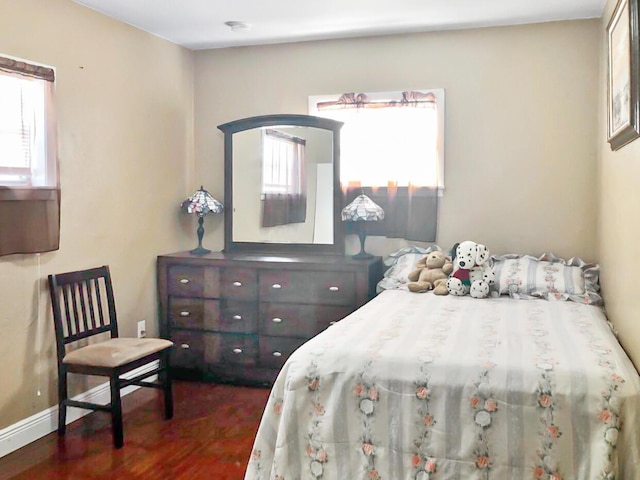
{"x":247,"y":186}
{"x":320,"y":200}
{"x":323,"y":225}
{"x":247,"y":161}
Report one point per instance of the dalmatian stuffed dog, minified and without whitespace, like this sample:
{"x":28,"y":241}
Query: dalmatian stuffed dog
{"x":471,"y":273}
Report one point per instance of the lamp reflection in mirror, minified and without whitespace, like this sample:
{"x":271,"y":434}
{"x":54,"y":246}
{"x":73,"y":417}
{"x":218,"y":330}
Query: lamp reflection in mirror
{"x":201,"y":203}
{"x":361,"y":210}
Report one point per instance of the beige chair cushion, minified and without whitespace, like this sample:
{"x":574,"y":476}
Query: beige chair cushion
{"x":115,"y":351}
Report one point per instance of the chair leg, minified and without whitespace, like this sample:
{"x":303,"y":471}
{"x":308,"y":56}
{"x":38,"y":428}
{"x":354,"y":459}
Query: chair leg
{"x":167,"y":382}
{"x":62,"y":401}
{"x":116,"y":412}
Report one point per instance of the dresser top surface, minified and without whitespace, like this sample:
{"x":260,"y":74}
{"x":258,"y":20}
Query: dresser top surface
{"x":265,"y":258}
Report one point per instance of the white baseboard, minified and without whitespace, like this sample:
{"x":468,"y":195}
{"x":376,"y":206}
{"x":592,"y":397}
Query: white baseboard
{"x":43,"y":423}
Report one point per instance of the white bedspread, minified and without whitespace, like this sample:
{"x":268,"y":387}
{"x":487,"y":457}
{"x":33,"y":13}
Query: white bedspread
{"x":416,"y":386}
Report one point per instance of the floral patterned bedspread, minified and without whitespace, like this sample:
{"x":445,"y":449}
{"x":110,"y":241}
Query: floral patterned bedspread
{"x":424,"y":387}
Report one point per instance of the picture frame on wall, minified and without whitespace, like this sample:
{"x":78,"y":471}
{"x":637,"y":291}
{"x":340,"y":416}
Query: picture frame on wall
{"x":623,"y":89}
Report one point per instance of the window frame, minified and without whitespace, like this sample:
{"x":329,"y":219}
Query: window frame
{"x":439,"y":94}
{"x":39,"y":172}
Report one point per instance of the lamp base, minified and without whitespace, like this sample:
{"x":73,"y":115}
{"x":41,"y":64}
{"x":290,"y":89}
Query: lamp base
{"x":362,"y":235}
{"x":362,"y":255}
{"x":199,"y":251}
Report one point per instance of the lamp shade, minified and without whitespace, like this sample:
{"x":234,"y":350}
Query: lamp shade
{"x":362,"y":209}
{"x":201,"y":203}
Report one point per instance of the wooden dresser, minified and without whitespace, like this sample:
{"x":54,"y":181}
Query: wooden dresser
{"x":237,"y":317}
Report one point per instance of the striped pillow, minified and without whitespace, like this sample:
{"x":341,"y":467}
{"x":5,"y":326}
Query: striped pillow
{"x":529,"y":276}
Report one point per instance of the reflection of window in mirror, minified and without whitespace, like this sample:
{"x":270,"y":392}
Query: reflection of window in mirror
{"x":392,"y":148}
{"x":283,"y":178}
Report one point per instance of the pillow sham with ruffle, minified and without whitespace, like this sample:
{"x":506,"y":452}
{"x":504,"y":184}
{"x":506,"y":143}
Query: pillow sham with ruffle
{"x":548,"y":277}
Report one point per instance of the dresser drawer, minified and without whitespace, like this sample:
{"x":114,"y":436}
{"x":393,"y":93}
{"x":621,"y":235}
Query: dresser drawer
{"x":239,"y":283}
{"x":188,"y":351}
{"x":331,"y":288}
{"x":231,"y":349}
{"x":188,"y":312}
{"x":238,"y":317}
{"x":188,"y":281}
{"x":218,"y":315}
{"x":274,"y":351}
{"x":298,"y":320}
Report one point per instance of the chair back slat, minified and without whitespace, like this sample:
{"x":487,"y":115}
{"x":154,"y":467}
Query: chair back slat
{"x":101,"y":319}
{"x":84,"y":300}
{"x":74,"y":304}
{"x":89,"y":288}
{"x":66,"y":326}
{"x":83,"y":305}
{"x":90,"y":317}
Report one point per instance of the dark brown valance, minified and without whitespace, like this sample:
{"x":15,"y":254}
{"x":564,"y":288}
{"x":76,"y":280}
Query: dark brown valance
{"x":27,"y":69}
{"x":283,"y":209}
{"x":30,"y":220}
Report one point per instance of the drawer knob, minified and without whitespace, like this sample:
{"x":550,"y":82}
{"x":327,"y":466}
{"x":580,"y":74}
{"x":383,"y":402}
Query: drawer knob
{"x":276,"y":320}
{"x":184,"y":314}
{"x":277,"y":354}
{"x":237,"y":317}
{"x":276,"y":286}
{"x":237,"y":284}
{"x":237,"y":350}
{"x":184,"y":281}
{"x":184,"y":346}
{"x":334,"y":289}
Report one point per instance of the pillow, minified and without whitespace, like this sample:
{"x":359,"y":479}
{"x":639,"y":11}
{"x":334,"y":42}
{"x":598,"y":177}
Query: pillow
{"x":548,"y":277}
{"x":401,"y":264}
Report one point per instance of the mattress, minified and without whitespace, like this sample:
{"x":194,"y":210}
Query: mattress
{"x":425,"y":387}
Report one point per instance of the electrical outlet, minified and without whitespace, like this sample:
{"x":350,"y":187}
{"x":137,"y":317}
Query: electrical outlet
{"x":142,"y":328}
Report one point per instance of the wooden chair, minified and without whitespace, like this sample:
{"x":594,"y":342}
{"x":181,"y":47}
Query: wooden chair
{"x":83,"y":306}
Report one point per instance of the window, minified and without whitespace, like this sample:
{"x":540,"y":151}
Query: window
{"x":387,"y":137}
{"x":391,"y":149}
{"x":23,"y":132}
{"x":29,"y":189}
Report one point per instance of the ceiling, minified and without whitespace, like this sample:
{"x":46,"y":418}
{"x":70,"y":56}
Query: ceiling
{"x":200,"y":24}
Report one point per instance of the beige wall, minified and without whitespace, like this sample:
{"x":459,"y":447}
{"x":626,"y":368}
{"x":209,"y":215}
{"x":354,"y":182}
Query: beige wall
{"x":521,"y":148}
{"x":619,"y":215}
{"x":125,"y":121}
{"x":520,"y":123}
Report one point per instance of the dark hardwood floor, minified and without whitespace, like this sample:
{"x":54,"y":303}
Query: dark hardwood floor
{"x":210,"y":437}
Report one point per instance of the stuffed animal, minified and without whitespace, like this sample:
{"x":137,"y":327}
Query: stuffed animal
{"x":431,"y":272}
{"x":471,"y":273}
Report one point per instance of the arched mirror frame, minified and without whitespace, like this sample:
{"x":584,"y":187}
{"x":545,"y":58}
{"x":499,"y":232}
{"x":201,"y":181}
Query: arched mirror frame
{"x":229,"y":129}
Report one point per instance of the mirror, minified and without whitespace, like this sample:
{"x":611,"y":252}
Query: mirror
{"x":282,"y":190}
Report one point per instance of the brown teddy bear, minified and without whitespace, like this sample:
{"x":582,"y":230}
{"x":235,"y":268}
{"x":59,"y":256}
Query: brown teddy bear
{"x":431,"y":272}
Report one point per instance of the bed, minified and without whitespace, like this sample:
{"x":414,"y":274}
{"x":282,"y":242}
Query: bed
{"x":418,"y":386}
